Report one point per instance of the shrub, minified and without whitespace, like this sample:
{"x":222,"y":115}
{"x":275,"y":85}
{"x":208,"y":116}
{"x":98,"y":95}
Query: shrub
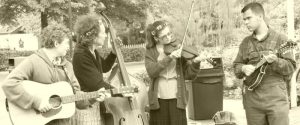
{"x":144,"y":77}
{"x":129,"y":55}
{"x":6,"y":54}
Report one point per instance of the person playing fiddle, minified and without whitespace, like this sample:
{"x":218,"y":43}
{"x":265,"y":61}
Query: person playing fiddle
{"x":167,"y":92}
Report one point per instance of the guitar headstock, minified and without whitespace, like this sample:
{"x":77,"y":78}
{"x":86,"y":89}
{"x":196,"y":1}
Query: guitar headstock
{"x":124,"y":90}
{"x":287,"y":46}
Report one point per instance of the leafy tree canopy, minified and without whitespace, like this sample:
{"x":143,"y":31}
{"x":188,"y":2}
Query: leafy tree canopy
{"x":11,"y":10}
{"x":123,"y":10}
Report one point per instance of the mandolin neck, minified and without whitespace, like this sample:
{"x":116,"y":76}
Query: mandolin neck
{"x":263,"y":60}
{"x":260,"y":63}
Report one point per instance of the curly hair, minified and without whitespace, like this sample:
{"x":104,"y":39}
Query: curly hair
{"x":52,"y":33}
{"x":153,"y":30}
{"x":87,"y":28}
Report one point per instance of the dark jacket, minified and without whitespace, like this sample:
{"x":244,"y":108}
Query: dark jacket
{"x":88,"y":70}
{"x":186,"y":70}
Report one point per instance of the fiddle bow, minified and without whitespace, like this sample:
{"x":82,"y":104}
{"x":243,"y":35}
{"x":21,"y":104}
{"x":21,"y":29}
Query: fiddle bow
{"x":186,"y":27}
{"x":186,"y":52}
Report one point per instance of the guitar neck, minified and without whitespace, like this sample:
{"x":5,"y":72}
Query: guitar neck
{"x":79,"y":97}
{"x":95,"y":94}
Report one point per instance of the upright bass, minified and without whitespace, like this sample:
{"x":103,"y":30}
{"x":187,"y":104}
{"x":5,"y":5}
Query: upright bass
{"x":125,"y":110}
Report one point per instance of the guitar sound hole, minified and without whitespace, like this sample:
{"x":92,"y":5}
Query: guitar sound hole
{"x":55,"y":101}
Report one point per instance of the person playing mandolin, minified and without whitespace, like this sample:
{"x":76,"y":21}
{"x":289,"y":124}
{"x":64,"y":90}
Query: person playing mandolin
{"x":266,"y":68}
{"x":46,"y":66}
{"x":167,"y":93}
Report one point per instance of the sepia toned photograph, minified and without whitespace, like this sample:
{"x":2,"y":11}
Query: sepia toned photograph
{"x":149,"y":62}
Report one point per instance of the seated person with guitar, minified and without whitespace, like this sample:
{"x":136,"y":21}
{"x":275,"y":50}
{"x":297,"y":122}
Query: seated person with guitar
{"x":34,"y":85}
{"x":89,"y":66}
{"x":167,"y":92}
{"x":266,"y":65}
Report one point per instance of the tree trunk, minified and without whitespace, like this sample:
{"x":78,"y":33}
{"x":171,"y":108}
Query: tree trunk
{"x":44,"y":23}
{"x":44,"y":19}
{"x":70,"y":27}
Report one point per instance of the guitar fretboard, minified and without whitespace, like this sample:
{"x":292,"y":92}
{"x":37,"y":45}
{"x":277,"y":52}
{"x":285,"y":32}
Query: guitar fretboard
{"x":78,"y":97}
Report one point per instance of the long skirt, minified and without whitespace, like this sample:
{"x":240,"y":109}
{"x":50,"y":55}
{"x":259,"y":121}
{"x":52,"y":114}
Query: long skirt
{"x":89,"y":116}
{"x":168,"y":113}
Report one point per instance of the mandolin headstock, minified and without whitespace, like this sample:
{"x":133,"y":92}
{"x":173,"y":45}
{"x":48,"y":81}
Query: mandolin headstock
{"x":287,"y":47}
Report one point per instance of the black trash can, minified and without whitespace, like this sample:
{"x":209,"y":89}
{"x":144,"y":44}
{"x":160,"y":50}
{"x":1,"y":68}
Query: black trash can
{"x":206,"y":92}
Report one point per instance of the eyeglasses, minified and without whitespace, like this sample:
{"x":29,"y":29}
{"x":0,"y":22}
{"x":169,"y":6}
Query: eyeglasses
{"x":166,"y":35}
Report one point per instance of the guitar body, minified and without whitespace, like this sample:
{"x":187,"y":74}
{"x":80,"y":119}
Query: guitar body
{"x":31,"y":116}
{"x":255,"y":78}
{"x":125,"y":111}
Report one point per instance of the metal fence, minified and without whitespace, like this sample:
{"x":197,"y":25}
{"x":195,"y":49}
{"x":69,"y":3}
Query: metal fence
{"x":135,"y":46}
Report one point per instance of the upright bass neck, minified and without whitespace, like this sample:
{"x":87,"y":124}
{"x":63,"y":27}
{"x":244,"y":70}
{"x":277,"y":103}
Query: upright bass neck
{"x":120,"y":60}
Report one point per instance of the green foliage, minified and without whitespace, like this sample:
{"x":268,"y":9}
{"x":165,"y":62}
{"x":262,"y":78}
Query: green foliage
{"x":128,"y":16}
{"x":133,"y":54}
{"x":14,"y":53}
{"x":11,"y":10}
{"x":135,"y":35}
{"x":6,"y":54}
{"x":126,"y":10}
{"x":129,"y":54}
{"x":144,"y":77}
{"x":212,"y":22}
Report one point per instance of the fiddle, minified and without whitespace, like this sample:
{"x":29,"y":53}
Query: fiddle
{"x":188,"y":52}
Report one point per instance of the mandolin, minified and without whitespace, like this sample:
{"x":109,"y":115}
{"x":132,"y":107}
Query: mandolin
{"x":256,"y":77}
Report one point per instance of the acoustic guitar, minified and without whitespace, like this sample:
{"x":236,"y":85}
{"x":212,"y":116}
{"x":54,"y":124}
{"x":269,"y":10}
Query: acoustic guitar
{"x":256,"y":77}
{"x":61,"y":98}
